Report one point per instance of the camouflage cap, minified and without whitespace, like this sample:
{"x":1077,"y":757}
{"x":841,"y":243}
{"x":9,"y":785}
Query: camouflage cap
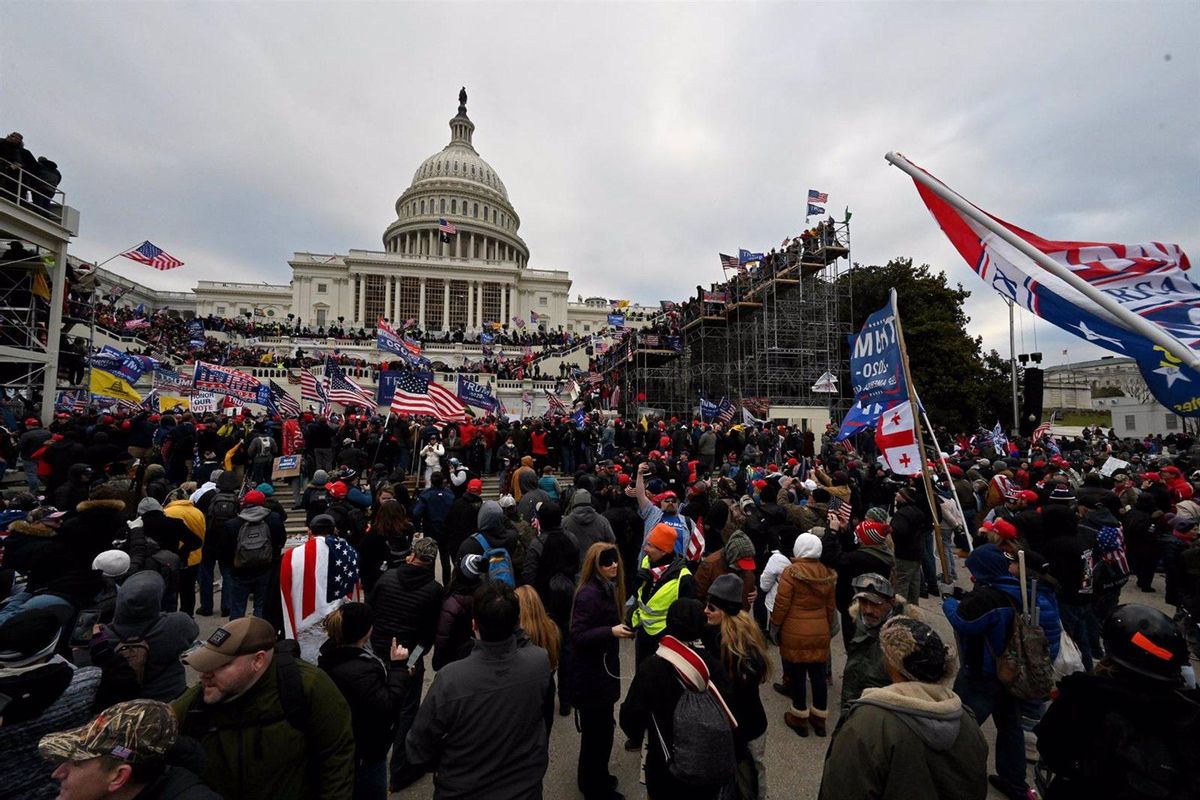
{"x":425,"y":549}
{"x":136,"y":731}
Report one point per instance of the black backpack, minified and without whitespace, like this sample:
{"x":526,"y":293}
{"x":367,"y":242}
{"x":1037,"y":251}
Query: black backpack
{"x":253,"y":547}
{"x":702,"y":753}
{"x":224,"y":507}
{"x":318,"y":502}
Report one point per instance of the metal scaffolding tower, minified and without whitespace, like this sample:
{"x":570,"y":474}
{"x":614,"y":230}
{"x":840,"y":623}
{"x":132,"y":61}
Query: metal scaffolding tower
{"x":36,"y":225}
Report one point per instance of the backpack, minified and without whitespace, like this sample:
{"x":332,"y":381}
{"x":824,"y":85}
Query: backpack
{"x":500,"y":565}
{"x":702,"y":753}
{"x":136,"y":652}
{"x":253,"y":548}
{"x":1025,"y":667}
{"x":292,"y":698}
{"x":318,"y":502}
{"x":224,"y":507}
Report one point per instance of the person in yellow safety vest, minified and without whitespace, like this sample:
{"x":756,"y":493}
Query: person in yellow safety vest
{"x":662,"y":578}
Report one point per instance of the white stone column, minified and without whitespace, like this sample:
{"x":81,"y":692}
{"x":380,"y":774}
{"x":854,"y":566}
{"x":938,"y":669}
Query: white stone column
{"x":445,"y":304}
{"x":396,"y":301}
{"x":421,"y":307}
{"x":471,"y":285}
{"x":387,"y":298}
{"x":503,"y":304}
{"x":362,"y":299}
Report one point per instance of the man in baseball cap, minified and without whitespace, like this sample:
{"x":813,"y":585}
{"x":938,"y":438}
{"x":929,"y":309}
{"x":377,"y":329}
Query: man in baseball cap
{"x":122,"y":753}
{"x":270,"y":724}
{"x":875,"y":602}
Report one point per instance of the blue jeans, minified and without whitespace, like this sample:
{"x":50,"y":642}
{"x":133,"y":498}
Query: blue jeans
{"x":371,"y":781}
{"x":207,"y":572}
{"x":1080,"y":622}
{"x":31,"y":478}
{"x":987,"y":697}
{"x":242,"y":588}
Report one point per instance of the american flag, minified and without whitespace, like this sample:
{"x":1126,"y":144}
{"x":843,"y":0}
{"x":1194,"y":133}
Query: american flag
{"x":650,"y":339}
{"x":725,"y":411}
{"x":614,"y":399}
{"x":730,"y":262}
{"x":417,"y":395}
{"x":555,"y":405}
{"x":446,"y":227}
{"x":1040,"y":431}
{"x":817,"y":197}
{"x":314,"y":579}
{"x":283,"y":403}
{"x":344,"y":390}
{"x":840,"y":511}
{"x":151,"y":256}
{"x":150,"y":403}
{"x":137,"y":324}
{"x":786,"y":242}
{"x":312,"y":389}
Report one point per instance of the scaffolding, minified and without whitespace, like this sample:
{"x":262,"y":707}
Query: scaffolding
{"x":765,"y":337}
{"x":35,"y":228}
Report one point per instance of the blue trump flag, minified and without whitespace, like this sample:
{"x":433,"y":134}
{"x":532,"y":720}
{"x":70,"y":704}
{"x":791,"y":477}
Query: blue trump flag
{"x":579,"y":418}
{"x":814,"y":211}
{"x":745,"y":256}
{"x":876,"y":371}
{"x":474,"y":394}
{"x":616,"y":320}
{"x":708,"y":410}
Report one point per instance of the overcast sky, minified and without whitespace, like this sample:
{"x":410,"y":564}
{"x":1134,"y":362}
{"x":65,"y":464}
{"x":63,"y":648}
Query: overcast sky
{"x":636,"y":140}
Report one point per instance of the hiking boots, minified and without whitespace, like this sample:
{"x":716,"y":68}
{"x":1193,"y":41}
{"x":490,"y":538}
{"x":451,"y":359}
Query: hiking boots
{"x":818,"y":721}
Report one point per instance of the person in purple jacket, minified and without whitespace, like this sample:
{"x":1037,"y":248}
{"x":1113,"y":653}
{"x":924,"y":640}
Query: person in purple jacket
{"x":592,"y":680}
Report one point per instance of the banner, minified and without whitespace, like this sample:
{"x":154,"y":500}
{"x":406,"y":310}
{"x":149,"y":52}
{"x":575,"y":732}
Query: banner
{"x":478,"y":395}
{"x":875,"y":371}
{"x":204,"y":403}
{"x":708,"y":410}
{"x":616,"y":320}
{"x":230,"y":382}
{"x":168,"y":380}
{"x":168,"y":402}
{"x":123,"y":365}
{"x":717,"y":298}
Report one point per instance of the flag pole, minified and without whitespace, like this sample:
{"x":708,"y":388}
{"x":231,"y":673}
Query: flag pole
{"x":949,"y":478}
{"x":916,"y":417}
{"x":1125,"y":317}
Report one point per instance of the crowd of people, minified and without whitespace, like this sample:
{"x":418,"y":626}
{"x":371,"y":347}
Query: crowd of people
{"x":707,"y":547}
{"x":24,"y":179}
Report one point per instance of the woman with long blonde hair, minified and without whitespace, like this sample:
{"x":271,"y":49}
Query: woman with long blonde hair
{"x":537,"y":624}
{"x":592,"y":676}
{"x":742,"y":651}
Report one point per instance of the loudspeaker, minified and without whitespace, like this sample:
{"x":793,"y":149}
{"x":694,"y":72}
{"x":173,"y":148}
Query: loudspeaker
{"x":1031,"y":407}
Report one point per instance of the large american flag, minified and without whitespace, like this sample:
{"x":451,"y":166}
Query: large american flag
{"x":417,"y":395}
{"x":283,"y":403}
{"x":554,"y":405}
{"x":725,"y":411}
{"x":817,"y":197}
{"x":312,"y":389}
{"x":314,"y":579}
{"x":151,"y":256}
{"x":344,"y":390}
{"x":1040,"y":431}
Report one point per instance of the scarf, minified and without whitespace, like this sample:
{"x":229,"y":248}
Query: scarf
{"x":691,"y":670}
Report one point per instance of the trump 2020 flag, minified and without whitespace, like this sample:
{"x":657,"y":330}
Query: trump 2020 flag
{"x":897,"y":440}
{"x":1147,"y":279}
{"x":876,"y":371}
{"x":314,"y":579}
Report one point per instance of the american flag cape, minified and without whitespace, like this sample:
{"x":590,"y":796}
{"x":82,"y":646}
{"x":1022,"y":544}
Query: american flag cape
{"x":314,"y":579}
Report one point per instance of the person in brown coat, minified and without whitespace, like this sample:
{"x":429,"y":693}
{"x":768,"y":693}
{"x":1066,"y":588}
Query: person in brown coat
{"x":736,"y":558}
{"x":801,"y":623}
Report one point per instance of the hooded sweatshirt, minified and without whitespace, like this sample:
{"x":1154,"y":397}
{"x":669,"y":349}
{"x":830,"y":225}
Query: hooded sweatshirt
{"x":530,"y":495}
{"x":496,"y":528}
{"x":585,"y":523}
{"x":907,"y":740}
{"x":139,"y":614}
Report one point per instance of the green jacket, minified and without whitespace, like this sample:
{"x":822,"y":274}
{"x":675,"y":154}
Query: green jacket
{"x":252,"y":752}
{"x":904,"y":741}
{"x":864,"y":660}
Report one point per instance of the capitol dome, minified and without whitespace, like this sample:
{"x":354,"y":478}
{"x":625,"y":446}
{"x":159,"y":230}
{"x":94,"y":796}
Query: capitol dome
{"x":457,"y":186}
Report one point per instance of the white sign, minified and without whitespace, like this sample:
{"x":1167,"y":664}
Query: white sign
{"x":205,"y":402}
{"x":1112,"y":466}
{"x":826,"y":384}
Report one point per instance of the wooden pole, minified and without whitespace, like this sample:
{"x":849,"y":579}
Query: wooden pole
{"x":930,"y":495}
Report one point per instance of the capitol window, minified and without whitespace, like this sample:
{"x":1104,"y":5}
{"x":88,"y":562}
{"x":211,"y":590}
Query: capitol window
{"x":270,"y":312}
{"x":453,"y":206}
{"x":543,"y":301}
{"x":422,"y":206}
{"x":322,"y":288}
{"x":475,"y":213}
{"x":443,"y":205}
{"x":220,"y":311}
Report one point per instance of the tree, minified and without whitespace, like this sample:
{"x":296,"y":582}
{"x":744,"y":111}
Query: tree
{"x":959,"y":388}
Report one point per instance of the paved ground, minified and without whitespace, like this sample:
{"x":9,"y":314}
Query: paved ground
{"x":793,"y":763}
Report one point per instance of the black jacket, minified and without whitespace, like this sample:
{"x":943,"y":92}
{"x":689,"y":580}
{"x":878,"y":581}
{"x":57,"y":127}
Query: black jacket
{"x":374,"y":690}
{"x":178,"y":783}
{"x":592,"y":672}
{"x":461,"y":521}
{"x":910,"y":529}
{"x":86,"y":534}
{"x":170,"y":533}
{"x":406,"y":602}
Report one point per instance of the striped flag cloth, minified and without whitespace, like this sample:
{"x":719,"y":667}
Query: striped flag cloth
{"x":344,"y":390}
{"x":137,"y":324}
{"x":817,"y":197}
{"x":1040,"y":431}
{"x":283,"y":403}
{"x":420,"y":396}
{"x":725,"y":411}
{"x":314,"y":579}
{"x":729,"y":262}
{"x":312,"y":389}
{"x":554,"y":405}
{"x":151,"y":256}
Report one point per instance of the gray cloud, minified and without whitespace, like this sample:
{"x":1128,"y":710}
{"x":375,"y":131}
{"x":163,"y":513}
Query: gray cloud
{"x":636,"y":141}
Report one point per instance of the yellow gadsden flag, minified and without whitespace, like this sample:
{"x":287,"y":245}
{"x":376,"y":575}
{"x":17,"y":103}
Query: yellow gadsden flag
{"x":106,"y":384}
{"x":169,"y":402}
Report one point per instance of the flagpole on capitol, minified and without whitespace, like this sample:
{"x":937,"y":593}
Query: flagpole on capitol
{"x":1125,"y":317}
{"x":918,"y":428}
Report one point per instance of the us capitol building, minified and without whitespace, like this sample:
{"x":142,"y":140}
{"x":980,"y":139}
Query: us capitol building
{"x":479,"y":276}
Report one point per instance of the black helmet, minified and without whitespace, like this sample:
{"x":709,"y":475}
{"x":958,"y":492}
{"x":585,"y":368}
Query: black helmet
{"x":1146,"y":641}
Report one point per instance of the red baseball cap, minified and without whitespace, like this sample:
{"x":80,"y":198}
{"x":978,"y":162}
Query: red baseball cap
{"x":254,"y":498}
{"x":475,"y":486}
{"x":338,"y":490}
{"x":658,"y":498}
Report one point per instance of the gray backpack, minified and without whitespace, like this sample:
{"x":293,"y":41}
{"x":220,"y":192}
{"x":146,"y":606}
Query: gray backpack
{"x":253,"y":545}
{"x":702,"y":753}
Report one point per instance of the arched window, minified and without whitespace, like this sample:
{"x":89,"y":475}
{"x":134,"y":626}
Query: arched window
{"x":475,"y":212}
{"x":443,"y":205}
{"x":422,"y":206}
{"x":453,"y":206}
